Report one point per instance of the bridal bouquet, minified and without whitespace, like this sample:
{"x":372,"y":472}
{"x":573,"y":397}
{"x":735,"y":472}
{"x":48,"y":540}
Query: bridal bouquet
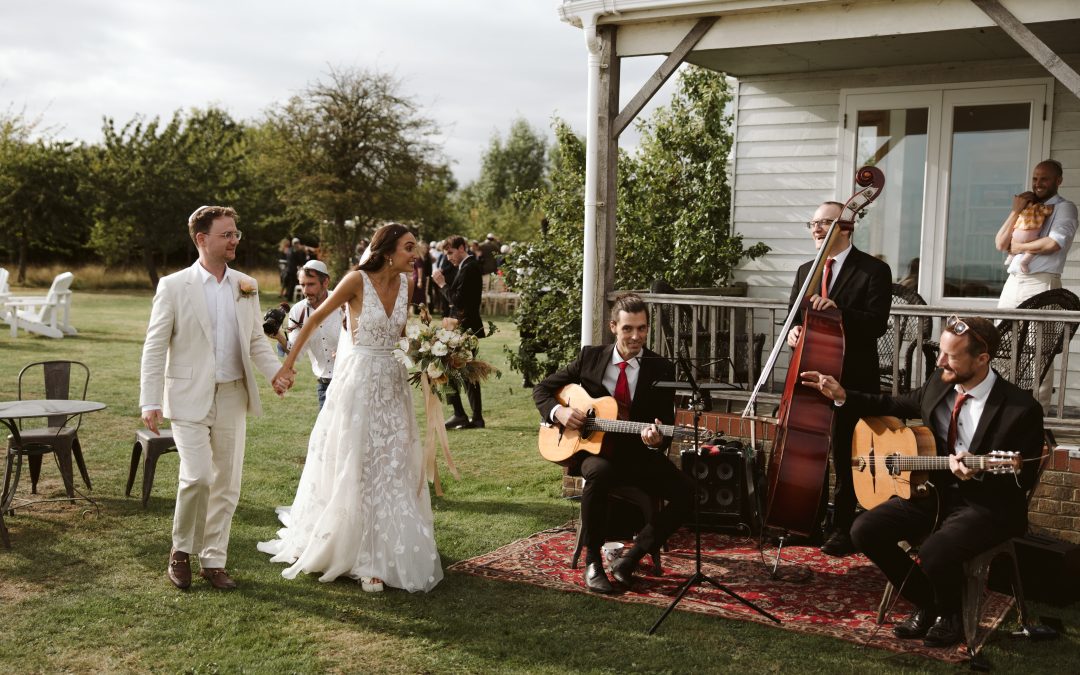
{"x":444,"y":355}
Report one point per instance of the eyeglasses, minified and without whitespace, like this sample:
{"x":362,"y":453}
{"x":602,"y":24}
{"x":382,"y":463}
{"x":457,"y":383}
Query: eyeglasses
{"x":228,"y":236}
{"x":958,"y":326}
{"x":825,"y":223}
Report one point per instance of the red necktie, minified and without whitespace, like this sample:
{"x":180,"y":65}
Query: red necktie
{"x":826,"y":277}
{"x":622,"y":392}
{"x":950,"y":441}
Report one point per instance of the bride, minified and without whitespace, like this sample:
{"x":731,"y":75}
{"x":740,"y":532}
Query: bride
{"x":362,"y":508}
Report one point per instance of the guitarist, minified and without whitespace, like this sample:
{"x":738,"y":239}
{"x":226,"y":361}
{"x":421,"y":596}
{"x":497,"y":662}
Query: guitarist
{"x":971,"y":410}
{"x":626,"y":370}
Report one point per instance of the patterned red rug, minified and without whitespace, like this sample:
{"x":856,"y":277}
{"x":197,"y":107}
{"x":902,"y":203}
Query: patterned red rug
{"x":837,"y":597}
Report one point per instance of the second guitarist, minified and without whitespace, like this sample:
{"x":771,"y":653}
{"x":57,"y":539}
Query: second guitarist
{"x":627,"y":371}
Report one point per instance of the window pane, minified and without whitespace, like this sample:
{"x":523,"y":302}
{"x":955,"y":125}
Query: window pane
{"x":895,"y":142}
{"x":989,"y":165}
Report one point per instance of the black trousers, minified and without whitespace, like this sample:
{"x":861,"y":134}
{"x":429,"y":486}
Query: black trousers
{"x":473,"y":392}
{"x":844,"y":493}
{"x":934,"y":582}
{"x":649,"y":470}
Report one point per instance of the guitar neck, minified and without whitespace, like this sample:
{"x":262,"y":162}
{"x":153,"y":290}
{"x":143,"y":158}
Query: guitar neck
{"x":628,"y":427}
{"x":936,"y":463}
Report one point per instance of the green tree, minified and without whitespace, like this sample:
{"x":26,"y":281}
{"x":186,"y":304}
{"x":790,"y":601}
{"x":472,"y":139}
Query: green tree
{"x":354,"y":148}
{"x":41,"y":209}
{"x":673,"y":219}
{"x":503,"y":198}
{"x":148,"y":176}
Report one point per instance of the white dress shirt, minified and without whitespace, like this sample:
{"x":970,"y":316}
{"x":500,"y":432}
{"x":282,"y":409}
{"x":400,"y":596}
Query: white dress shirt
{"x":221,"y":305}
{"x":611,"y":376}
{"x":970,"y":414}
{"x":838,"y":263}
{"x":321,"y":347}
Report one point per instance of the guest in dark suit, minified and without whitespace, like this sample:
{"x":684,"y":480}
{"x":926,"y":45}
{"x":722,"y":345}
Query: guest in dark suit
{"x":971,"y":410}
{"x":464,"y":295}
{"x":626,"y":370}
{"x":860,"y":286}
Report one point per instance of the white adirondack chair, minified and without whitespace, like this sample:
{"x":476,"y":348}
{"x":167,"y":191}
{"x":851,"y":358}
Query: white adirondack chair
{"x":48,"y":315}
{"x":4,"y":289}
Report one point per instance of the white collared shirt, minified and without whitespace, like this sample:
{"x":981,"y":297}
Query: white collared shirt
{"x":322,"y":345}
{"x":1061,"y":227}
{"x":221,"y":302}
{"x":970,"y":414}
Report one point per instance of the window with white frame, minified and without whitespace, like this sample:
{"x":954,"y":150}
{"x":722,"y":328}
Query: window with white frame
{"x":953,"y":157}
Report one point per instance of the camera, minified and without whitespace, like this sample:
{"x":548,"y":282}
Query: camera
{"x":274,"y":317}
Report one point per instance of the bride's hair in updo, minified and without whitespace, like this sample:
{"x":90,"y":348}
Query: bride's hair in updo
{"x":383,"y":244}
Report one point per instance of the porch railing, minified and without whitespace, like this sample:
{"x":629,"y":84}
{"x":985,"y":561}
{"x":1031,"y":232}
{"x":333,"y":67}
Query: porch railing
{"x":727,"y":339}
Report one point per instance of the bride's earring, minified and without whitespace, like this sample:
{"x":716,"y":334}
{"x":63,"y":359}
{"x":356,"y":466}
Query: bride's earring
{"x":389,"y":262}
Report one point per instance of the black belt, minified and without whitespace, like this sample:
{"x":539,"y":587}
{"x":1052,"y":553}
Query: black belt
{"x":323,"y":380}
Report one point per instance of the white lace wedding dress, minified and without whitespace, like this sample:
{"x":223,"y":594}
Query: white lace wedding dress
{"x":362,"y":508}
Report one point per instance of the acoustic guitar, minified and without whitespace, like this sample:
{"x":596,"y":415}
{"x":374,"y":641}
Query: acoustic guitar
{"x":889,"y":458}
{"x":560,"y":445}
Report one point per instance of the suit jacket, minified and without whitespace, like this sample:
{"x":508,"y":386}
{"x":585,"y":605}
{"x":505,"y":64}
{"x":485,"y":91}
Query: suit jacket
{"x":464,"y":295}
{"x":178,"y":356}
{"x":588,"y":369}
{"x":863,"y":292}
{"x":1011,"y":420}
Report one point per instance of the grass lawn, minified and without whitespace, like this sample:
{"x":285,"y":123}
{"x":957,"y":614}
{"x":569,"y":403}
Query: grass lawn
{"x":84,"y":589}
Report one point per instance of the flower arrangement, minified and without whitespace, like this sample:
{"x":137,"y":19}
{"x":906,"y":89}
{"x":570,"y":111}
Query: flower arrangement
{"x":246,"y":290}
{"x":443,"y":353}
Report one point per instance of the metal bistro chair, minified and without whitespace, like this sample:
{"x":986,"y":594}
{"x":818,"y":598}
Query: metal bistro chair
{"x":155,"y":446}
{"x":62,"y":380}
{"x":1029,"y":336}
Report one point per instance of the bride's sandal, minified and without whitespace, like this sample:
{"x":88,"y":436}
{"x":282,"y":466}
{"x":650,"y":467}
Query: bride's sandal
{"x":371,"y":584}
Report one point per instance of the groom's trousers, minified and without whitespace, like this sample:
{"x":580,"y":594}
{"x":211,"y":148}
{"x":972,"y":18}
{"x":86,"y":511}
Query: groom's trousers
{"x":211,"y":461}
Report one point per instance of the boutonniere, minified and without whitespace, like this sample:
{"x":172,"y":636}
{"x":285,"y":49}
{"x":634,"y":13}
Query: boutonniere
{"x":246,"y":290}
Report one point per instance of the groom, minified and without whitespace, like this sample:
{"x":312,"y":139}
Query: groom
{"x":205,"y":334}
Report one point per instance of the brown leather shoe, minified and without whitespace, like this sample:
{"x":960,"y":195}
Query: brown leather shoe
{"x":179,"y":570}
{"x":218,"y":578}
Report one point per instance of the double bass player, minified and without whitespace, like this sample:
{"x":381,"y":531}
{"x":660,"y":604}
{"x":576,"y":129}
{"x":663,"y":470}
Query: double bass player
{"x":860,"y":287}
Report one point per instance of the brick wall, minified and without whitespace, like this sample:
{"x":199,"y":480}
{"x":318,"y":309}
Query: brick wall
{"x":1055,"y":506}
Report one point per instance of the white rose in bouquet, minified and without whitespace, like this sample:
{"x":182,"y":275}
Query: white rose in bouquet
{"x":412,"y":331}
{"x":439,"y":349}
{"x":434,"y":370}
{"x":403,"y":344}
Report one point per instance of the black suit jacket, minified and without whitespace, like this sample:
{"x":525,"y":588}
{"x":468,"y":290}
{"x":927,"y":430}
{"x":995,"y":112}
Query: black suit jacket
{"x":588,"y":368}
{"x":1012,"y":420}
{"x":863,"y":292}
{"x":464,"y":295}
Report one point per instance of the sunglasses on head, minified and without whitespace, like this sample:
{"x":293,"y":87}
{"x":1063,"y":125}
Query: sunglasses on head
{"x":958,"y":326}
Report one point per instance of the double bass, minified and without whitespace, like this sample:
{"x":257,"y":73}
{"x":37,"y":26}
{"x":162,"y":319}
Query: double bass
{"x":800,"y":455}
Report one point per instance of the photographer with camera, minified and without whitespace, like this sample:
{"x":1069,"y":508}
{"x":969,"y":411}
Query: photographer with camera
{"x":322,"y":347}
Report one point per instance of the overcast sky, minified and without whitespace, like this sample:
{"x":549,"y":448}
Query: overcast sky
{"x":473,"y":65}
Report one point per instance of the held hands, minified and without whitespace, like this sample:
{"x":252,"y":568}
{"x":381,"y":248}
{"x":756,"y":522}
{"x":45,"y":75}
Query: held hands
{"x":152,"y":419}
{"x":284,"y":380}
{"x":957,"y":466}
{"x":826,"y":384}
{"x":651,"y":435}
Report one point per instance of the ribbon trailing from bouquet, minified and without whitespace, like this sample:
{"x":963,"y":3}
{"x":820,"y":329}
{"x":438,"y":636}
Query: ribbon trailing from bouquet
{"x":436,"y":430}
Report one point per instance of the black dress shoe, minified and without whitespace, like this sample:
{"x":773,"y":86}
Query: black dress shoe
{"x":595,"y":579}
{"x":946,"y":631}
{"x":838,"y":545}
{"x":477,"y":423}
{"x":623,"y":570}
{"x":457,"y":422}
{"x":916,"y":625}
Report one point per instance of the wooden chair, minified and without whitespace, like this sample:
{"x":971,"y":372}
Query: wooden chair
{"x":62,"y":380}
{"x":47,"y":315}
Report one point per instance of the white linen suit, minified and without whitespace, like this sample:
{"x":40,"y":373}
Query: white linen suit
{"x":209,"y":420}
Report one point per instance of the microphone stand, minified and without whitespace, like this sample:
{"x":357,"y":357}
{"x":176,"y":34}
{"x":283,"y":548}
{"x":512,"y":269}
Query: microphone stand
{"x":696,"y":405}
